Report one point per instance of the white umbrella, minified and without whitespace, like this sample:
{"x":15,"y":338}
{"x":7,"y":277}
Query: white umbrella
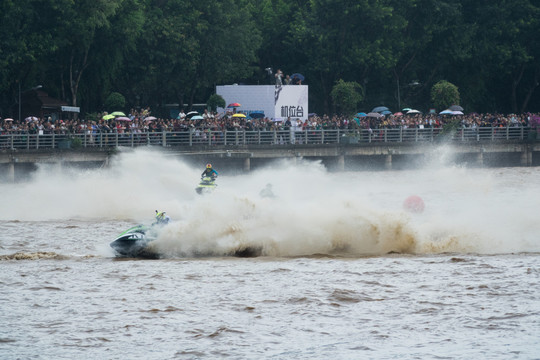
{"x":374,"y":114}
{"x":413,"y":112}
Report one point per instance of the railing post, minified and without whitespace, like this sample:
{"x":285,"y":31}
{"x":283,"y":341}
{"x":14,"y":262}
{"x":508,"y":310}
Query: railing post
{"x":507,"y":132}
{"x":52,"y":144}
{"x":322,"y":136}
{"x":492,"y":133}
{"x":164,"y":139}
{"x":116,"y":139}
{"x":37,"y":141}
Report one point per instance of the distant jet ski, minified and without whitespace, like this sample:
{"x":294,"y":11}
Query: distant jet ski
{"x":207,"y":184}
{"x":134,"y":243}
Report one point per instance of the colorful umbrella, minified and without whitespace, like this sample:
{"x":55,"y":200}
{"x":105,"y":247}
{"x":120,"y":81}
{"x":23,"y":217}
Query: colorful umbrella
{"x":108,"y":117}
{"x":380,"y":109}
{"x":197,"y":117}
{"x":123,"y":118}
{"x":234,"y":105}
{"x":118,"y":113}
{"x":297,"y":76}
{"x":239,"y":115}
{"x":8,"y":119}
{"x":150,"y":118}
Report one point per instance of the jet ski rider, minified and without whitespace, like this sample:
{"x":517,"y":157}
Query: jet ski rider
{"x":209,"y":172}
{"x":161,"y":218}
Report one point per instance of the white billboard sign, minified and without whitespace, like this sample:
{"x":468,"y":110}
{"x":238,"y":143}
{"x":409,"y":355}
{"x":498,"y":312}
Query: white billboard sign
{"x":71,"y":109}
{"x":277,"y":102}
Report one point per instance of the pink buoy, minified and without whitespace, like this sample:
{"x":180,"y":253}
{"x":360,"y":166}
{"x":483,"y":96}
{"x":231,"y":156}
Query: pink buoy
{"x":414,"y":204}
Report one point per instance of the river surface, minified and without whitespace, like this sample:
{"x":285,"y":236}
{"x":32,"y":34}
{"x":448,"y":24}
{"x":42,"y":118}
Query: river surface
{"x":345,"y":270}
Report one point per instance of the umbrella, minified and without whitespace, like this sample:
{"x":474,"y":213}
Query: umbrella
{"x":298,"y":76}
{"x":374,"y":114}
{"x":446,"y":112}
{"x":239,"y":115}
{"x":361,"y":114}
{"x":191,"y":113}
{"x":8,"y":119}
{"x":455,"y":108}
{"x":150,"y":118}
{"x":386,"y":112}
{"x":108,"y":117}
{"x":118,"y":113}
{"x":197,"y":117}
{"x":406,"y":109}
{"x":123,"y":118}
{"x":234,"y":105}
{"x":399,"y":113}
{"x":257,"y":114}
{"x":413,"y":112}
{"x":31,"y":118}
{"x":457,"y":112}
{"x":379,"y":109}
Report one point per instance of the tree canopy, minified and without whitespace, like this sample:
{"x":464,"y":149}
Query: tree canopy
{"x":157,"y":52}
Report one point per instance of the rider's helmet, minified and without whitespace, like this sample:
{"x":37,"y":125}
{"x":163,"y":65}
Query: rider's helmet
{"x":208,"y":166}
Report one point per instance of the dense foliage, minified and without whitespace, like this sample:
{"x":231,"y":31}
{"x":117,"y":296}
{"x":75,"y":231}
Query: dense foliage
{"x":157,"y":52}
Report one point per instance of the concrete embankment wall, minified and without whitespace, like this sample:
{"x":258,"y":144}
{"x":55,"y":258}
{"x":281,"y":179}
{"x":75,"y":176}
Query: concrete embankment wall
{"x":17,"y":165}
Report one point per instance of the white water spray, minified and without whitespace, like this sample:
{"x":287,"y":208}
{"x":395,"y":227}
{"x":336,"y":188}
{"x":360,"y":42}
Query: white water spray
{"x":314,"y":212}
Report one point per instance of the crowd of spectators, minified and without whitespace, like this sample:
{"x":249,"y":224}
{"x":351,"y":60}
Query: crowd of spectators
{"x":141,"y":121}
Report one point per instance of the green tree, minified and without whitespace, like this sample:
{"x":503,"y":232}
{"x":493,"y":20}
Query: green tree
{"x":215,"y":101}
{"x":346,"y":96}
{"x":444,"y":94}
{"x":348,"y":40}
{"x":115,"y":101}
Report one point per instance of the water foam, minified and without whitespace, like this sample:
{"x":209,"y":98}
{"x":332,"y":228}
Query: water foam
{"x":314,"y":212}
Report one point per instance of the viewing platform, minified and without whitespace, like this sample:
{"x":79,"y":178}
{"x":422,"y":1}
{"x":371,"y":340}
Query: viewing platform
{"x":242,"y":151}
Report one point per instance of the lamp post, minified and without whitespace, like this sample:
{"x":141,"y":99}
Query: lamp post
{"x":34,"y":88}
{"x":19,"y":100}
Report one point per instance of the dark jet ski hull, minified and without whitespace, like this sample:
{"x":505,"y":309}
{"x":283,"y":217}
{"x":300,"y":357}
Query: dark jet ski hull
{"x":133,"y":243}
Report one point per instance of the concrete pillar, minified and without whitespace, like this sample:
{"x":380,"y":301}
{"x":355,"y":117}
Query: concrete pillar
{"x":480,"y":159}
{"x":340,"y":163}
{"x":247,"y":164}
{"x":526,"y":157}
{"x":11,"y":172}
{"x":388,"y":162}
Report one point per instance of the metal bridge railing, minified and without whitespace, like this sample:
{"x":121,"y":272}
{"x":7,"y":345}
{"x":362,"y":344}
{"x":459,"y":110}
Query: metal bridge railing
{"x":243,"y":137}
